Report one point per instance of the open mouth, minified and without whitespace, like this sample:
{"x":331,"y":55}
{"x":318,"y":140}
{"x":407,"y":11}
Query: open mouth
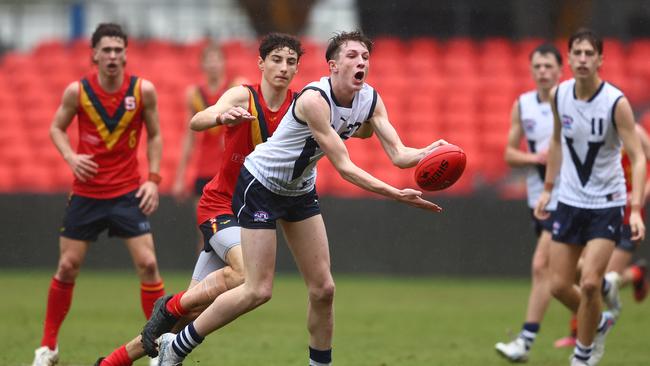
{"x":359,"y":75}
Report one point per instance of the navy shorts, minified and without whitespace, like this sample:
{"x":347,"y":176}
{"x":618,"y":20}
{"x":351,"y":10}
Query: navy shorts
{"x":199,"y":183}
{"x":210,"y":227}
{"x":85,"y":218}
{"x":626,"y":242}
{"x":573,"y":225}
{"x":258,"y":208}
{"x":541,"y":225}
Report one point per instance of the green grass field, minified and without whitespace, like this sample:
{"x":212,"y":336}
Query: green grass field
{"x":380,"y":321}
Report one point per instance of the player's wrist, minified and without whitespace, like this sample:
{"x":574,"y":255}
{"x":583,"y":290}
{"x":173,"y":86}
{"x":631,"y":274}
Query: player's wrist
{"x":635,"y":207}
{"x":548,"y":186}
{"x":217,"y":119}
{"x":154,"y":177}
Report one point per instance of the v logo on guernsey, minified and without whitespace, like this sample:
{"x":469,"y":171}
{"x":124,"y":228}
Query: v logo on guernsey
{"x":111,"y":128}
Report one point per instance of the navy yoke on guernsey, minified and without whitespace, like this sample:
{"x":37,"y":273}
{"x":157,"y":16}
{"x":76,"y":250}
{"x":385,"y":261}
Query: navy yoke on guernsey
{"x":286,"y":163}
{"x":536,"y":118}
{"x":591,"y":172}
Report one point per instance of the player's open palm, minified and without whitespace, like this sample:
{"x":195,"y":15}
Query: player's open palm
{"x":414,"y":198}
{"x":148,"y":195}
{"x":82,"y":165}
{"x":235,"y":116}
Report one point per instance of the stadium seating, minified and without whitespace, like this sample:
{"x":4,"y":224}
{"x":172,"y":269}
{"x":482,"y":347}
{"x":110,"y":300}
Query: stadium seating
{"x":460,"y":89}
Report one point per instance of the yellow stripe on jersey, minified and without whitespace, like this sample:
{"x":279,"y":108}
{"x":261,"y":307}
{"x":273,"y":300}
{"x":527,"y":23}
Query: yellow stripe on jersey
{"x":110,"y":138}
{"x":256,"y":133}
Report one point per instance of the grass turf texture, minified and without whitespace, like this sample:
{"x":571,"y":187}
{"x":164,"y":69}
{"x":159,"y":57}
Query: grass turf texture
{"x":380,"y":321}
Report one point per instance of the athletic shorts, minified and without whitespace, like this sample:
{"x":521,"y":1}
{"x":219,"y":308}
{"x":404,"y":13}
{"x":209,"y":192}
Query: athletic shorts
{"x":573,"y":225}
{"x":541,"y":225}
{"x":210,"y":228}
{"x":85,"y":218}
{"x":220,"y":234}
{"x":258,"y":208}
{"x":199,"y":183}
{"x":626,"y":242}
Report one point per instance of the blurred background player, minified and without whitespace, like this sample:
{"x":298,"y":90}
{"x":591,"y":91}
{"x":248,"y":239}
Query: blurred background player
{"x":591,"y":120}
{"x":532,"y":118}
{"x":619,"y":269}
{"x":111,"y":107}
{"x":210,"y":143}
{"x":277,"y":183}
{"x":259,"y":108}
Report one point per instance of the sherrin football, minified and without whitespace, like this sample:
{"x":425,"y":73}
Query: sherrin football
{"x":440,"y":168}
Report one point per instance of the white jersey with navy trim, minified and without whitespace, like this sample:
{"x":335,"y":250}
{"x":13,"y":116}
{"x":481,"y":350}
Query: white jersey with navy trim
{"x":591,"y":172}
{"x":537,"y":123}
{"x":286,"y":163}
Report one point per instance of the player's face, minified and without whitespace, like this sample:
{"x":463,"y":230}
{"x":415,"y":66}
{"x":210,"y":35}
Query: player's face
{"x":213,"y":63}
{"x":352,"y":64}
{"x":110,"y":55}
{"x":584,"y":59}
{"x":545,"y":69}
{"x":279,"y":67}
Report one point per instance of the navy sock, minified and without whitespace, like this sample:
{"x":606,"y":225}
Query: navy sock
{"x":528,"y":333}
{"x":186,"y":340}
{"x":319,"y":358}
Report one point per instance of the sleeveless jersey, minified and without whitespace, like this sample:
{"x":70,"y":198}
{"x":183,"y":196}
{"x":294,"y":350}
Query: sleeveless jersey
{"x":591,"y":172}
{"x":240,"y":140}
{"x":286,"y":163}
{"x":537,"y":123}
{"x":210,"y":142}
{"x":109,"y":129}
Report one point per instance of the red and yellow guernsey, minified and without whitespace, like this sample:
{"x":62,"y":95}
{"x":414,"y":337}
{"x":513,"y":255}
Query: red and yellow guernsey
{"x":627,"y":172}
{"x":109,"y":129}
{"x":211,"y":143}
{"x":240,"y":141}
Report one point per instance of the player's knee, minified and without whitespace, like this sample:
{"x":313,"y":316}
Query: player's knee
{"x":539,"y":268}
{"x":323,"y":294}
{"x":259,"y":295}
{"x":233,"y":277}
{"x":590,"y":285}
{"x":147,"y":267}
{"x":68,"y":269}
{"x":560,"y":288}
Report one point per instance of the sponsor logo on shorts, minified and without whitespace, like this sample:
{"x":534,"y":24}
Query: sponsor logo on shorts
{"x":261,"y":216}
{"x":556,"y":227}
{"x":144,"y":226}
{"x":611,"y":229}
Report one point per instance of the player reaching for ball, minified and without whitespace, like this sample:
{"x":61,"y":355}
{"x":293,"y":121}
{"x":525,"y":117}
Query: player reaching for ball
{"x":276,"y":184}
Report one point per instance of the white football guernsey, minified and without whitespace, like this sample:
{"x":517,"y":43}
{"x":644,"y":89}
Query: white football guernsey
{"x":537,"y":123}
{"x":286,"y":163}
{"x":591,"y":172}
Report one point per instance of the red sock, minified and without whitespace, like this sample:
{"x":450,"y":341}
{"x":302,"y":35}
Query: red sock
{"x":574,"y":325}
{"x":149,"y":293}
{"x":174,"y":305}
{"x":119,"y":357}
{"x":637,"y":273}
{"x":59,"y":299}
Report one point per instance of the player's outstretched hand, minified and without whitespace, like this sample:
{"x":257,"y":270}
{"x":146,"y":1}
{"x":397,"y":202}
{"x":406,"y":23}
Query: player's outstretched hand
{"x":235,"y":116}
{"x":540,"y":208}
{"x":637,"y":227}
{"x":414,"y":198}
{"x":82,"y":165}
{"x":148,"y":195}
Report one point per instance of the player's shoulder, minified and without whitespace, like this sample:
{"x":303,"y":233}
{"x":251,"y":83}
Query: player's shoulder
{"x":528,"y":96}
{"x":611,"y":90}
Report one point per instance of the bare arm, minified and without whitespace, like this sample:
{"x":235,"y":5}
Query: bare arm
{"x":553,"y":164}
{"x":313,"y":109}
{"x":513,"y":155}
{"x":624,"y":119}
{"x":400,"y":155}
{"x":148,"y":191}
{"x":230,"y":109}
{"x":82,"y":165}
{"x":365,"y":131}
{"x":645,"y":145}
{"x":186,"y":149}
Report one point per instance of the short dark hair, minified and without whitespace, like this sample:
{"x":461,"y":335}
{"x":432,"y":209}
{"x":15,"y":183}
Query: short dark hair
{"x":273,"y":41}
{"x":108,"y":30}
{"x":211,"y":47}
{"x":546,"y":48}
{"x":586,"y":34}
{"x":339,"y":39}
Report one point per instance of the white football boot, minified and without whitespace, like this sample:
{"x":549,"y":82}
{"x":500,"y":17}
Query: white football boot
{"x":44,"y":356}
{"x":514,"y":351}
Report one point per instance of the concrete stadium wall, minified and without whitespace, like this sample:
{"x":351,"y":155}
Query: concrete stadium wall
{"x":474,"y":236}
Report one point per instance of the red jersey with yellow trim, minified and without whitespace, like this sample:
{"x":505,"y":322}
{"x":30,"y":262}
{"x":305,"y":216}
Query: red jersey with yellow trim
{"x":627,"y":173}
{"x":240,"y":141}
{"x":109,"y":129}
{"x":210,"y":143}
